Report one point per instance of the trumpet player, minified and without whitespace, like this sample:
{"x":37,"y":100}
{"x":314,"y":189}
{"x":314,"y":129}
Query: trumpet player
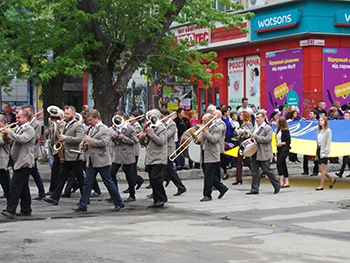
{"x":70,"y":138}
{"x":156,"y":159}
{"x":22,"y":155}
{"x":35,"y":172}
{"x":98,"y":160}
{"x":4,"y":159}
{"x":124,"y":154}
{"x":212,"y":139}
{"x":171,"y":131}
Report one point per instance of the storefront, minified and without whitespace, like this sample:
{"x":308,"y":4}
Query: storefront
{"x":297,"y":53}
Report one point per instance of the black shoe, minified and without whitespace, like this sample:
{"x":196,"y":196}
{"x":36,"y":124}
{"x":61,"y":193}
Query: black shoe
{"x":65,"y":195}
{"x":158,"y":204}
{"x":185,"y":168}
{"x":78,"y":209}
{"x":167,"y":182}
{"x":126,"y":191}
{"x":117,"y":208}
{"x":150,"y":196}
{"x":95,"y":194}
{"x":23,"y":214}
{"x":313,"y":174}
{"x":206,"y":199}
{"x":305,"y":173}
{"x":38,"y":198}
{"x":225,"y":176}
{"x":130,"y":199}
{"x":50,"y":200}
{"x":139,"y":183}
{"x":8,"y":214}
{"x":237,"y":182}
{"x":48,"y":193}
{"x":252,"y":193}
{"x":221,"y":195}
{"x":74,"y":190}
{"x":180,"y":191}
{"x":178,"y":168}
{"x":331,"y":185}
{"x":340,"y":175}
{"x":109,"y":200}
{"x":149,"y":186}
{"x":277,"y":190}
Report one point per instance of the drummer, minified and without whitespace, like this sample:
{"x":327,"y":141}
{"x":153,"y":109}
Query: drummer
{"x":171,"y":133}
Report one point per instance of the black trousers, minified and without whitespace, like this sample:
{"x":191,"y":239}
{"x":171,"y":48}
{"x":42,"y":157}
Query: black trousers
{"x":156,"y":173}
{"x":306,"y":165}
{"x":19,"y":189}
{"x":212,"y":178}
{"x":281,"y":162}
{"x":173,"y":176}
{"x":5,"y":182}
{"x":66,"y":168}
{"x":55,"y":171}
{"x":130,"y":171}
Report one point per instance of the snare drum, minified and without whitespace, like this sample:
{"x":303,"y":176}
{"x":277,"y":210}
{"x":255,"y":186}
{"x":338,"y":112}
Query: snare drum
{"x":250,"y":147}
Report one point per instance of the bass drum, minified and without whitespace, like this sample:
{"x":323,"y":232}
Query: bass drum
{"x":186,"y":136}
{"x":194,"y":152}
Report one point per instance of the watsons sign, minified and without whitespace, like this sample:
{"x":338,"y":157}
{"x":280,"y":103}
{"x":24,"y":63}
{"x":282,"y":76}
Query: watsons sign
{"x":342,"y":18}
{"x":276,"y":21}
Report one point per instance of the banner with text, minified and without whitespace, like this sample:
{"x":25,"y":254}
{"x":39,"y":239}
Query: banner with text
{"x":336,"y":75}
{"x":284,"y":80}
{"x":252,"y":80}
{"x":235,"y":81}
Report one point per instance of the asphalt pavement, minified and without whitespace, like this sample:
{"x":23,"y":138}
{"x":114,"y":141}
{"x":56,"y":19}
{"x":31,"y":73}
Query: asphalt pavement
{"x":297,"y":225}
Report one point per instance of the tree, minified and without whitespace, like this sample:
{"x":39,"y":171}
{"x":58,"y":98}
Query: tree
{"x":109,"y":36}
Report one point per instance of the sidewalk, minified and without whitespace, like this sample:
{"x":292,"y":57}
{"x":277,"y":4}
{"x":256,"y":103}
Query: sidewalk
{"x":295,"y":171}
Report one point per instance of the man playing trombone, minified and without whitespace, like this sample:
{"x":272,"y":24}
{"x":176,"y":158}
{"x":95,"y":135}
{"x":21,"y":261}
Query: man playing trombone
{"x":212,"y":139}
{"x":171,"y":132}
{"x":156,"y":159}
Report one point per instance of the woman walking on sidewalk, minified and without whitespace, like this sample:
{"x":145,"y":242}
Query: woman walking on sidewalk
{"x":283,"y":146}
{"x":324,"y":139}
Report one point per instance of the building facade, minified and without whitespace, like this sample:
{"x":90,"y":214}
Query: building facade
{"x":296,"y":54}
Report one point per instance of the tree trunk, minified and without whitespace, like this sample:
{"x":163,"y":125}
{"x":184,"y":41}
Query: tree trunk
{"x":52,"y":94}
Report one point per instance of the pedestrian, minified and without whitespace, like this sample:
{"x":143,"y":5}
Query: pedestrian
{"x":324,"y":139}
{"x":283,"y":146}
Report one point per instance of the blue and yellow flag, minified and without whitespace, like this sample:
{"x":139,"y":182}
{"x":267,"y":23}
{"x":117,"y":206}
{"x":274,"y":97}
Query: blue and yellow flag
{"x":304,"y":138}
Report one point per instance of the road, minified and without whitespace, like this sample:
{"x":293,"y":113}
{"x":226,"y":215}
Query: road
{"x":297,"y":225}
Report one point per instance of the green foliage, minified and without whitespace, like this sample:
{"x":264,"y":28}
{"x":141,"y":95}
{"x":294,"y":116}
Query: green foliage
{"x":87,"y":35}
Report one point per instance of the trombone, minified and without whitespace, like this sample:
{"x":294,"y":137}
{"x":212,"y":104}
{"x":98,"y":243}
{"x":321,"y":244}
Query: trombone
{"x":195,"y":137}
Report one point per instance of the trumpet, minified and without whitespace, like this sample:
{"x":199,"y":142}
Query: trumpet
{"x":195,"y":137}
{"x":13,"y":126}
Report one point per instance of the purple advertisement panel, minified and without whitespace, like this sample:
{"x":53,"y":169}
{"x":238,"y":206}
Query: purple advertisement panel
{"x":336,"y":75}
{"x":284,"y":81}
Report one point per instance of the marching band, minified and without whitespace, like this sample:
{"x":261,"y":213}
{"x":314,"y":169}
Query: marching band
{"x":80,"y":152}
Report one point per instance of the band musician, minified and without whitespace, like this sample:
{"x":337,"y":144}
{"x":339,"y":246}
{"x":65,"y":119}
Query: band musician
{"x":98,"y":160}
{"x":22,"y":154}
{"x":125,"y":140}
{"x":156,"y":159}
{"x":70,"y":138}
{"x":212,"y":140}
{"x":4,"y":160}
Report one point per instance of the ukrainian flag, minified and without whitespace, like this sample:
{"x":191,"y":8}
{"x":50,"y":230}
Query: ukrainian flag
{"x":304,"y":138}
